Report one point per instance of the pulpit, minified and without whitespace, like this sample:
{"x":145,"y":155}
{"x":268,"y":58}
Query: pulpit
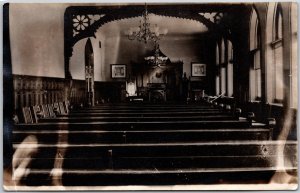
{"x":163,"y":76}
{"x":157,"y":92}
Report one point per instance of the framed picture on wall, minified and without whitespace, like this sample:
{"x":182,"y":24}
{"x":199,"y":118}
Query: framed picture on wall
{"x":198,"y":69}
{"x":118,"y":70}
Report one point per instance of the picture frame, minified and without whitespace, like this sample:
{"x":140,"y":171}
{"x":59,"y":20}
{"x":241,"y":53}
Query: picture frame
{"x":118,"y":70}
{"x":198,"y":69}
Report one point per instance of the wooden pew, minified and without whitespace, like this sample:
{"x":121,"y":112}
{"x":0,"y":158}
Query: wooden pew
{"x":136,"y":119}
{"x":161,"y":148}
{"x":143,"y":110}
{"x":35,"y":113}
{"x":137,"y":163}
{"x":144,"y":114}
{"x":127,"y":125}
{"x":146,"y":136}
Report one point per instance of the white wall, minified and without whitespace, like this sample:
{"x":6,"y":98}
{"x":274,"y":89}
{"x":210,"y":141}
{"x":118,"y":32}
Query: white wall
{"x":120,"y":50}
{"x":37,"y":36}
{"x":185,"y":49}
{"x":77,"y":60}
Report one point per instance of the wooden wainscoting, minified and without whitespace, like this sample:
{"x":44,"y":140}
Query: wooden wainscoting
{"x":33,"y":90}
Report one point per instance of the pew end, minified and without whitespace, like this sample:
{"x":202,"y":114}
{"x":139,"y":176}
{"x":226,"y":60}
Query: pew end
{"x":250,"y":118}
{"x":238,"y":113}
{"x":271,"y":123}
{"x":228,"y":108}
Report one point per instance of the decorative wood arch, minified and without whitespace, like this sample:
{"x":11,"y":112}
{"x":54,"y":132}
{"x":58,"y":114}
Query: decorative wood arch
{"x":83,"y":21}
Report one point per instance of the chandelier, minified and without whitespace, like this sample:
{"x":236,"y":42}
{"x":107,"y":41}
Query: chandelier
{"x":156,"y":59}
{"x":144,"y":32}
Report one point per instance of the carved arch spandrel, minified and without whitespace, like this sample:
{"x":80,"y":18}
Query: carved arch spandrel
{"x":117,"y":12}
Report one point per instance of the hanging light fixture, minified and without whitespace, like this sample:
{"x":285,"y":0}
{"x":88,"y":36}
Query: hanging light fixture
{"x":156,"y":59}
{"x":144,"y":32}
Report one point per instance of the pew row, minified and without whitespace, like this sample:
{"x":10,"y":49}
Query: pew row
{"x":136,"y":119}
{"x":142,"y":125}
{"x":154,"y":145}
{"x":146,"y":136}
{"x":89,"y":164}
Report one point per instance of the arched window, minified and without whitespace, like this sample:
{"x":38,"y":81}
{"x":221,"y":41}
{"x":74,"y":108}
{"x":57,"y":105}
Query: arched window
{"x":278,"y":23}
{"x":294,"y":69}
{"x":217,"y":54}
{"x":222,"y":68}
{"x":222,"y":51}
{"x":230,"y":69}
{"x":255,"y":51}
{"x":278,"y":82}
{"x":217,"y":70}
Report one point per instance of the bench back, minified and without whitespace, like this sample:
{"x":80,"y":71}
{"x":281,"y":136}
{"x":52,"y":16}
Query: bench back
{"x":45,"y":111}
{"x":27,"y":115}
{"x":56,"y":109}
{"x":38,"y":113}
{"x":51,"y":112}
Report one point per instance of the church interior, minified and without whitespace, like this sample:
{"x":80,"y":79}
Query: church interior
{"x":150,"y":95}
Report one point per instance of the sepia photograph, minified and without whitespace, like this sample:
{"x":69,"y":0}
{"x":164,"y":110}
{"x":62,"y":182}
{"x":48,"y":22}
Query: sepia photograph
{"x":150,"y":96}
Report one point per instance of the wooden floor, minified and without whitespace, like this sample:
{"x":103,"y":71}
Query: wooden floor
{"x":149,"y":144}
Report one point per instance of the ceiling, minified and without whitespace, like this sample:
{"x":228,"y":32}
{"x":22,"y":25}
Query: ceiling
{"x":175,"y":26}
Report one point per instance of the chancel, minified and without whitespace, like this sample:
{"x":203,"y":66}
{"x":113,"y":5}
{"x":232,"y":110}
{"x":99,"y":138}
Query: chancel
{"x":143,"y":96}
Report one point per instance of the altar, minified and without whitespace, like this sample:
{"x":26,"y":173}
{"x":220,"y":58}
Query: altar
{"x":157,"y":78}
{"x":163,"y":77}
